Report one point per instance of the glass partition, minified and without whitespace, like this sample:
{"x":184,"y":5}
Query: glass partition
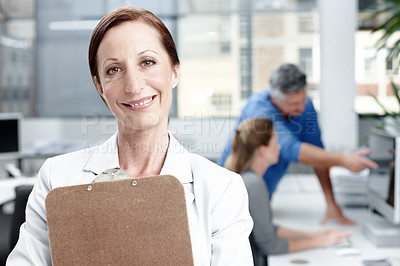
{"x":228,"y":49}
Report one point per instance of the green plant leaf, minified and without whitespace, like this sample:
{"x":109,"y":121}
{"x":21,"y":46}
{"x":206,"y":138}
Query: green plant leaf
{"x":389,"y":30}
{"x":388,"y":11}
{"x":378,"y":13}
{"x":396,"y":92}
{"x":393,"y":52}
{"x":387,"y":113}
{"x":394,"y":1}
{"x":391,"y":27}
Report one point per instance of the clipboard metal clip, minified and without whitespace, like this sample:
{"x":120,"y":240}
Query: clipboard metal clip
{"x":90,"y":187}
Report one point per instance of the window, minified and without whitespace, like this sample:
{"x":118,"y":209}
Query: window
{"x":305,"y":58}
{"x":374,"y":72}
{"x":306,"y":24}
{"x":227,"y":48}
{"x":370,"y":65}
{"x":392,"y":66}
{"x":222,"y":102}
{"x":224,"y":33}
{"x":17,"y":34}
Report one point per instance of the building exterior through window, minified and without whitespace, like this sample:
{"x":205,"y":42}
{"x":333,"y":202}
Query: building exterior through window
{"x":228,"y":49}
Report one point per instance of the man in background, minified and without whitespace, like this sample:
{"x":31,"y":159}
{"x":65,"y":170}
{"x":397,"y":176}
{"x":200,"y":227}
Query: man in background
{"x":296,"y":125}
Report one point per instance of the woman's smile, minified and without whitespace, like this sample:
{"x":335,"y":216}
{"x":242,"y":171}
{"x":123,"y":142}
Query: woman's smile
{"x":141,"y":104}
{"x":136,"y":76}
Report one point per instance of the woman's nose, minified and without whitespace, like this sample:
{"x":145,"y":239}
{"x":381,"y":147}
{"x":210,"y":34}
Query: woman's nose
{"x":133,"y":81}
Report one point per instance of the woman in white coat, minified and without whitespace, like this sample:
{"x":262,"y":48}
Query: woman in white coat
{"x":134,"y":66}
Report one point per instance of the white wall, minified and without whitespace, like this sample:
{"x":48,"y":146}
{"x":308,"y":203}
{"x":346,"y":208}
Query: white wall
{"x":79,"y":131}
{"x":205,"y":136}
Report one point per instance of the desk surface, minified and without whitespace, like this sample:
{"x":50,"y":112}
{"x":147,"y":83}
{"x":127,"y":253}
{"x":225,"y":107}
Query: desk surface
{"x":299,"y":204}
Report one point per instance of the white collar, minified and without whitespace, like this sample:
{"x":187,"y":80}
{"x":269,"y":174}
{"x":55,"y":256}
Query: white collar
{"x":104,"y":156}
{"x":177,"y":161}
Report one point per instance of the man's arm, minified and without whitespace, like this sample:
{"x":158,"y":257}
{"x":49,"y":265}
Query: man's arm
{"x":318,"y":157}
{"x":322,"y":160}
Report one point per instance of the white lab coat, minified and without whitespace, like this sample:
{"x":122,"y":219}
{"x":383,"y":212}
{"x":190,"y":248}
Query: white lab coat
{"x":217,"y":203}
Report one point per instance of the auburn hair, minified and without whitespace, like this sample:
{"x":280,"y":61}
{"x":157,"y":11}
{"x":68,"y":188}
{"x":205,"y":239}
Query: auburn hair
{"x":125,"y":14}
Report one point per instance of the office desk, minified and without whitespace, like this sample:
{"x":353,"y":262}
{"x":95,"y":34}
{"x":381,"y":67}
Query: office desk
{"x":299,"y":204}
{"x":7,"y":187}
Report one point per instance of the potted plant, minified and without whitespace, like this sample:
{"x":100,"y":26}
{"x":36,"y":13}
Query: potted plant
{"x":387,"y":17}
{"x":387,"y":20}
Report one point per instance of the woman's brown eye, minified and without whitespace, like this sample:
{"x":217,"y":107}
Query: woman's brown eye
{"x":147,"y":63}
{"x":113,"y":70}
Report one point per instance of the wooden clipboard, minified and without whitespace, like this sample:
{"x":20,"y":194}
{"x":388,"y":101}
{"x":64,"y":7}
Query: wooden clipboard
{"x":126,"y":222}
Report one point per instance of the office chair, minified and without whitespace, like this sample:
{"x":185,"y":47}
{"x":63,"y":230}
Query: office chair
{"x":5,"y":225}
{"x":22,"y":193}
{"x":10,"y":223}
{"x":259,"y":258}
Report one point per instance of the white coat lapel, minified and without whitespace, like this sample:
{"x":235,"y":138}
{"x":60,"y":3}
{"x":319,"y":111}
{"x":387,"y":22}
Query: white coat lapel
{"x":104,"y":156}
{"x":177,"y":163}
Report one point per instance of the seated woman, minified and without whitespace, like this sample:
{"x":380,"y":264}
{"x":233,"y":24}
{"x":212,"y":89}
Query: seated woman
{"x":255,"y":148}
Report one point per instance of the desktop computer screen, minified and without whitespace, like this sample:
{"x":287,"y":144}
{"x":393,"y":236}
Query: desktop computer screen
{"x":383,"y":225}
{"x":9,"y":136}
{"x":384,"y":184}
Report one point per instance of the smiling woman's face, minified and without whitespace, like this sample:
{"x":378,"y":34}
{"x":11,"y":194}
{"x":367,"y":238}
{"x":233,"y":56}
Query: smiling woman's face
{"x":136,"y":76}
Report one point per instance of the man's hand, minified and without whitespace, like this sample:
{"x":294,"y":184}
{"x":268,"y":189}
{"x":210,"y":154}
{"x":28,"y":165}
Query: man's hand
{"x":358,"y":161}
{"x":333,"y":212}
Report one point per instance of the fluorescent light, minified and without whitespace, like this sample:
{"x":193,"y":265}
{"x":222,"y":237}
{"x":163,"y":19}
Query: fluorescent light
{"x":73,"y":25}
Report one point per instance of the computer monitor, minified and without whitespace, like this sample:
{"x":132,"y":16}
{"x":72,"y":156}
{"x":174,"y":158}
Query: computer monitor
{"x":384,"y":184}
{"x":10,"y":135}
